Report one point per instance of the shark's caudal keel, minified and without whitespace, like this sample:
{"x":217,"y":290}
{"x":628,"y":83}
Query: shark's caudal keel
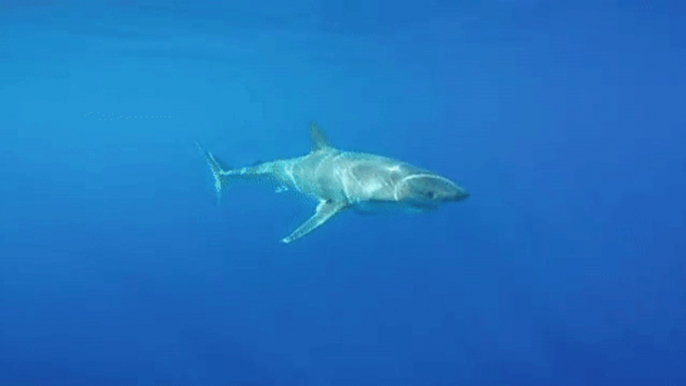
{"x":340,"y":180}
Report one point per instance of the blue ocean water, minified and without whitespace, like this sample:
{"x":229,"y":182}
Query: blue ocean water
{"x":565,"y":121}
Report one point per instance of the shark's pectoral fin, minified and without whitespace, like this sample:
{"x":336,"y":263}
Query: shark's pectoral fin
{"x":325,"y":210}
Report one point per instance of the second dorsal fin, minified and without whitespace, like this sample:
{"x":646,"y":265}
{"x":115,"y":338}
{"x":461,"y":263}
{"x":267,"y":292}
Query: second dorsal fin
{"x":317,"y":138}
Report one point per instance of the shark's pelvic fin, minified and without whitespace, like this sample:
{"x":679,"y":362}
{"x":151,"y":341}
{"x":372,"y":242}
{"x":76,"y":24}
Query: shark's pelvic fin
{"x":218,"y":171}
{"x":325,"y":210}
{"x":317,"y":137}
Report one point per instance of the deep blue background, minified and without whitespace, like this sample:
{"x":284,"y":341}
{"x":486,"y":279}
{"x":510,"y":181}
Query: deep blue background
{"x":565,"y":120}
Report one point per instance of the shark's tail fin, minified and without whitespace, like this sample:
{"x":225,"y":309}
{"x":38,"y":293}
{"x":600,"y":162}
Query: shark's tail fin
{"x":218,"y":171}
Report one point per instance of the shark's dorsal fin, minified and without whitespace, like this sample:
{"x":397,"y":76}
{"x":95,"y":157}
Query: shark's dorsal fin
{"x":325,"y":210}
{"x":317,"y":138}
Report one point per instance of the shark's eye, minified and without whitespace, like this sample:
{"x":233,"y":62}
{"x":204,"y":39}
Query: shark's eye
{"x":430,"y":195}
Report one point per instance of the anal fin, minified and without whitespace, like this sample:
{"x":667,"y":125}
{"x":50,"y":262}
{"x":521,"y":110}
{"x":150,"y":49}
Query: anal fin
{"x":325,"y":210}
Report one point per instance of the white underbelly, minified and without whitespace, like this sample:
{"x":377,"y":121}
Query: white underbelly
{"x":371,"y":207}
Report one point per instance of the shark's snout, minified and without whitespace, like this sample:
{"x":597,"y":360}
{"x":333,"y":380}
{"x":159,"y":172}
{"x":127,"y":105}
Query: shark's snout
{"x":427,"y":190}
{"x":460,"y":194}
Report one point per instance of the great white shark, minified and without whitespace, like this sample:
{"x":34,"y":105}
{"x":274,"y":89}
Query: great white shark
{"x":342,"y":180}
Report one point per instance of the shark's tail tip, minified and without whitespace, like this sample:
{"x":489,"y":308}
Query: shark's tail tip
{"x":216,"y":169}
